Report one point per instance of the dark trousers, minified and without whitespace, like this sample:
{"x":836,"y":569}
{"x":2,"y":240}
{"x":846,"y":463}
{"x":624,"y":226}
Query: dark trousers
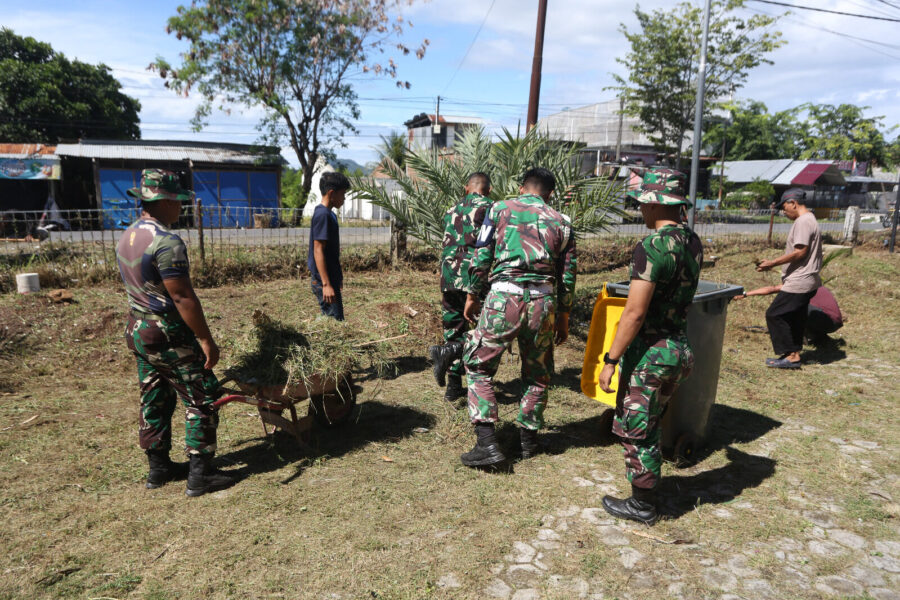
{"x":334,"y":309}
{"x":455,"y":325}
{"x":786,"y":318}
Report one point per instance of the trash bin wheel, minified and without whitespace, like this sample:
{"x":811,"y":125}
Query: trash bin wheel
{"x":335,"y":408}
{"x":685,"y":450}
{"x":605,"y":425}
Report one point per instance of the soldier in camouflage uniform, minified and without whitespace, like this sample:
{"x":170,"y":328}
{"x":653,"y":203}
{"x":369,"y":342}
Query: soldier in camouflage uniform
{"x":651,"y":340}
{"x":526,"y":250}
{"x":169,"y":337}
{"x":461,"y":226}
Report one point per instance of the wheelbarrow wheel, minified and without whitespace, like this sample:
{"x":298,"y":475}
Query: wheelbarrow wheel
{"x":685,"y":451}
{"x":334,"y":408}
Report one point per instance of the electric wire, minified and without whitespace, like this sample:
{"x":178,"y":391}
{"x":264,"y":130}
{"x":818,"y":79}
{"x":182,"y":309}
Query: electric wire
{"x":825,"y":10}
{"x":471,"y":44}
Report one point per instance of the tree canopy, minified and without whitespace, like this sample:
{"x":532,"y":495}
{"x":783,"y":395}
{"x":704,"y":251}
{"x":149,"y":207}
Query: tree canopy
{"x":295,"y":59}
{"x":808,"y":131}
{"x":45,"y":97}
{"x":392,"y":147}
{"x":663,"y":61}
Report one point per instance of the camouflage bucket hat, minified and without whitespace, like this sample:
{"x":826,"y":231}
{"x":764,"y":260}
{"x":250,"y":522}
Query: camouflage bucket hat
{"x":662,"y":186}
{"x":158,"y":184}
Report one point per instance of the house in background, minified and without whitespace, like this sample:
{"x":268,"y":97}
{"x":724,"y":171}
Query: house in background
{"x":425,"y":131}
{"x":232,"y":182}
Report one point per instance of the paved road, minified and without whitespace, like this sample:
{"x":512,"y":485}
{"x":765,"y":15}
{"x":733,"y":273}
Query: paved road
{"x":354,"y":236}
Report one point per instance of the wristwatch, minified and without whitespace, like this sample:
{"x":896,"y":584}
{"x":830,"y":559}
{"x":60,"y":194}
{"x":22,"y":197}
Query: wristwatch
{"x":610,"y":361}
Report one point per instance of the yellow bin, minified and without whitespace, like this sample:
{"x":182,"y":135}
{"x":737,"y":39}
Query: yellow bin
{"x":604,"y":323}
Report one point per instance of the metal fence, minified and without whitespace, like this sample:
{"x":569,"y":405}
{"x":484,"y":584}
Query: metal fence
{"x":92,"y":235}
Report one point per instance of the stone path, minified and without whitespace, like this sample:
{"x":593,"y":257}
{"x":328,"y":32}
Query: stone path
{"x":780,"y":568}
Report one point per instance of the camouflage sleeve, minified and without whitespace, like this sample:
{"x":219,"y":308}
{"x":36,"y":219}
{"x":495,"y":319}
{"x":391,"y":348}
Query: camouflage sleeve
{"x":449,"y":231}
{"x":171,"y":258}
{"x":476,"y":277}
{"x":650,"y":263}
{"x":565,"y":276}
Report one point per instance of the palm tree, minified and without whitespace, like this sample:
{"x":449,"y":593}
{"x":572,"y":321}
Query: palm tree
{"x":436,"y":183}
{"x":392,"y":147}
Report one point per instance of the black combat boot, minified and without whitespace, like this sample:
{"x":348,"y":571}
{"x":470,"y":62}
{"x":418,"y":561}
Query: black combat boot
{"x":529,"y":441}
{"x":455,"y":390}
{"x":641,"y":506}
{"x":203,"y":477}
{"x":162,"y":469}
{"x":443,"y":356}
{"x":486,"y":451}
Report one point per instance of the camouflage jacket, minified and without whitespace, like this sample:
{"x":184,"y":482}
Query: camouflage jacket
{"x":147,"y":254}
{"x":527,"y":242}
{"x":461,"y":225}
{"x":670,"y":257}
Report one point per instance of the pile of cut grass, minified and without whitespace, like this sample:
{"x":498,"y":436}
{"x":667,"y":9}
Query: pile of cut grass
{"x":276,"y":353}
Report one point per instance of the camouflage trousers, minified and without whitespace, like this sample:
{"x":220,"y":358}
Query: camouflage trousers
{"x":506,"y":317}
{"x":170,"y":366}
{"x":649,"y":375}
{"x":455,"y":325}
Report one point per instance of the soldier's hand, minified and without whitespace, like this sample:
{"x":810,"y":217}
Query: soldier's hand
{"x":471,"y":309}
{"x":211,"y":351}
{"x":562,"y":328}
{"x":606,"y":378}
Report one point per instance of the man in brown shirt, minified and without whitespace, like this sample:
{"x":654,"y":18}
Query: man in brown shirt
{"x":802,"y":261}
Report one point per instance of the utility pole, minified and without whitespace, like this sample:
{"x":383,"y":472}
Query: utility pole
{"x":619,"y":135}
{"x":436,"y":129}
{"x":534,"y":95}
{"x":698,"y":117}
{"x":895,"y":219}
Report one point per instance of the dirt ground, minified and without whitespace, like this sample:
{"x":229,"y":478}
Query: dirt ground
{"x":796,"y":494}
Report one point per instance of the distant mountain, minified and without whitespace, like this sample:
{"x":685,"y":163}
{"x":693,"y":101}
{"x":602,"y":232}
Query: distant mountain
{"x":350,"y":165}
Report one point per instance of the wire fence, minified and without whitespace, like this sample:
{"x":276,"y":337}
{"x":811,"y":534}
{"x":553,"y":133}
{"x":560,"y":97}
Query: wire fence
{"x":84,"y":241}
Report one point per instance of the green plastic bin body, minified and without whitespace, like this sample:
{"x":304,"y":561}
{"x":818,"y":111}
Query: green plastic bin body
{"x":686,"y":422}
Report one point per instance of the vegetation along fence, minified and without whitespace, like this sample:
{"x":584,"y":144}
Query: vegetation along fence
{"x":72,"y":246}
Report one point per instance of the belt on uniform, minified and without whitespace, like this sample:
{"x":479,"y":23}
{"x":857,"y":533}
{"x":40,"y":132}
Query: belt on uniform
{"x":536,"y":289}
{"x":149,"y":316}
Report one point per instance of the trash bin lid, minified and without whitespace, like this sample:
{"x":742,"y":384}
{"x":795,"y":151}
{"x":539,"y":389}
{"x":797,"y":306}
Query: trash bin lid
{"x":706,"y":290}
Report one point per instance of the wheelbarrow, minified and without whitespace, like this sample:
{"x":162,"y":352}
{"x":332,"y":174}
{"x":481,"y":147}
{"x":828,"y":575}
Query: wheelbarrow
{"x":330,"y":402}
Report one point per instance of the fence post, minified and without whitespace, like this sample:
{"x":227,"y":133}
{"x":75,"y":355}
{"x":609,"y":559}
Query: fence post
{"x":198,"y":212}
{"x":851,"y":226}
{"x":771,"y":223}
{"x":896,"y":218}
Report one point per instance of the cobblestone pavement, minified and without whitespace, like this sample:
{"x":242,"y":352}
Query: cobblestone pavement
{"x":835,"y":555}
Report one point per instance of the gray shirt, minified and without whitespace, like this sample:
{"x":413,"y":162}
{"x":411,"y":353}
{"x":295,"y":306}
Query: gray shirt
{"x":802,"y":276}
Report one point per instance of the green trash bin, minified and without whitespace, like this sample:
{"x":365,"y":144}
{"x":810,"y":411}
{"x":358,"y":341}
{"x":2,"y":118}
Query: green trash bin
{"x":686,"y":422}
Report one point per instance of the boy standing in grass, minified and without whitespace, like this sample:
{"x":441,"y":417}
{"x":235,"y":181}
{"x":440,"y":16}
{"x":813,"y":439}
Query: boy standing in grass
{"x":324,"y":260}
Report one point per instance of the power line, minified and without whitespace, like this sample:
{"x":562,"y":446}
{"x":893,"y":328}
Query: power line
{"x":466,"y":55}
{"x":834,"y":12}
{"x":889,"y":4}
{"x":862,"y":42}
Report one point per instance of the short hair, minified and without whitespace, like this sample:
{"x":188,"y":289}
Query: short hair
{"x":333,"y":181}
{"x":540,"y":178}
{"x":481,"y":178}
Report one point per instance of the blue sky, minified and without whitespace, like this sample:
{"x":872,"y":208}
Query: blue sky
{"x":582,"y":42}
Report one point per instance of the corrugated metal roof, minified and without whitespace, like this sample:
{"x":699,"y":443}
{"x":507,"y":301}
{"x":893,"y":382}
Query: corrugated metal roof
{"x":809,"y":174}
{"x":791,"y":174}
{"x":27,"y":151}
{"x":198,"y":152}
{"x":746,"y":171}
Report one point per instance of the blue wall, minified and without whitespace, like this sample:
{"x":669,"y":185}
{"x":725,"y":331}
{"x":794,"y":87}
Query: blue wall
{"x":229,"y":198}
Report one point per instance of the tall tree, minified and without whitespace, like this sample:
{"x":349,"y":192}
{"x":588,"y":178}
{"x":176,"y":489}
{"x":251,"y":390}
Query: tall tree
{"x":45,"y":97}
{"x":294,"y":58}
{"x":752,"y":133}
{"x":664,"y":58}
{"x":843,"y":133}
